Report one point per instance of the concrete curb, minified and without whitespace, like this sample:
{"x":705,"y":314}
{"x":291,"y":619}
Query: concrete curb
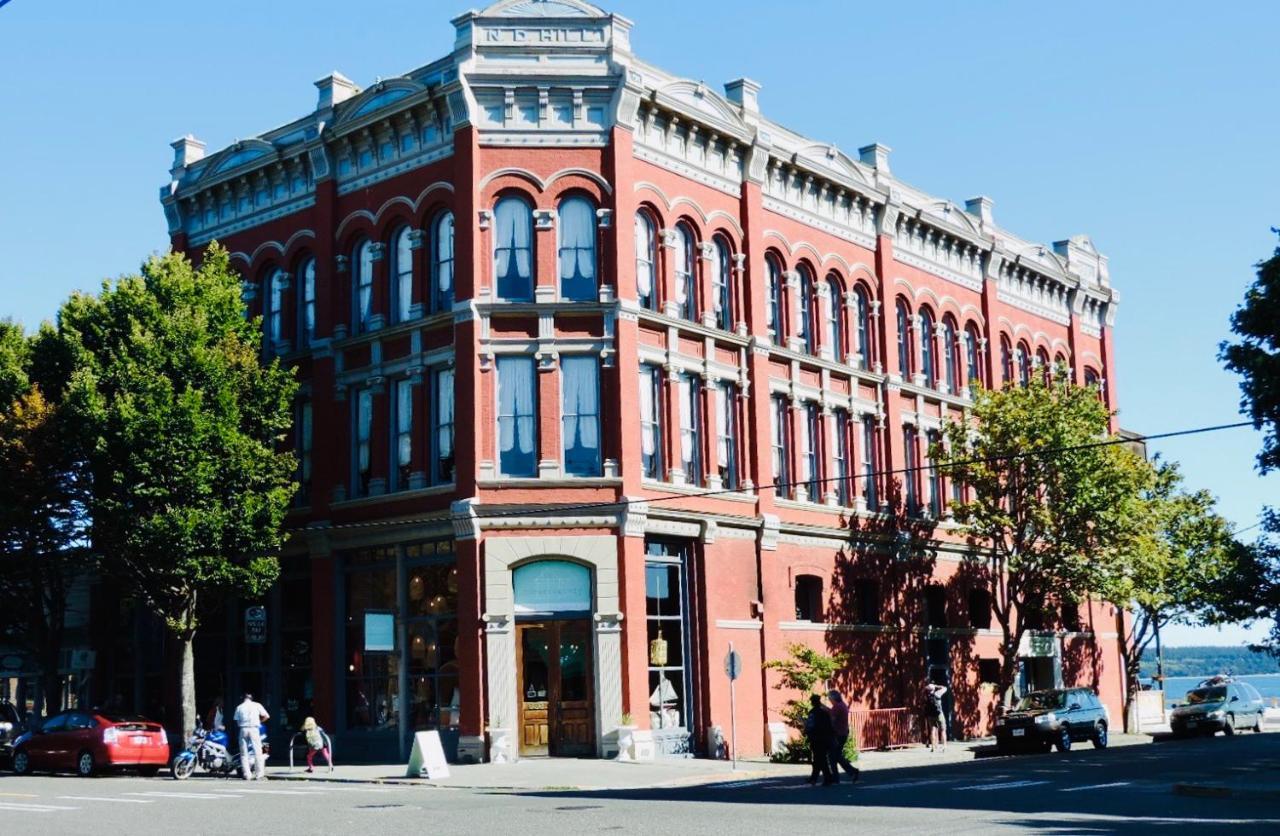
{"x":1210,"y":791}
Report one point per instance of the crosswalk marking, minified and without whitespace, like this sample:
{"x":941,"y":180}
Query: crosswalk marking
{"x":269,"y":792}
{"x":1096,"y":786}
{"x":1008,"y":785}
{"x":104,"y":798}
{"x":902,"y":785}
{"x":33,"y":808}
{"x":181,"y":794}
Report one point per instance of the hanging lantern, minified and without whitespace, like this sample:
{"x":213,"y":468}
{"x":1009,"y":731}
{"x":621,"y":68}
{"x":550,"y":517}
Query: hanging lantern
{"x":658,"y":651}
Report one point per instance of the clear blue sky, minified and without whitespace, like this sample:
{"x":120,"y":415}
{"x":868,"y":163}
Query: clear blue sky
{"x":1151,"y":126}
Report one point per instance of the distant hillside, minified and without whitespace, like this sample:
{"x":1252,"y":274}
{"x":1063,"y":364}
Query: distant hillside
{"x":1206,"y":661}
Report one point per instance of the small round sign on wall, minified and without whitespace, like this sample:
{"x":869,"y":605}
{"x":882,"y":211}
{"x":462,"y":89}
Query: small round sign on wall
{"x":733,"y":665}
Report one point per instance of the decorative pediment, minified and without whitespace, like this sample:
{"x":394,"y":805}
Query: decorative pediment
{"x":945,"y":210}
{"x":377,"y":97}
{"x":830,"y":158}
{"x":543,"y":8}
{"x":696,"y":96}
{"x":1036,"y":253}
{"x":242,"y":153}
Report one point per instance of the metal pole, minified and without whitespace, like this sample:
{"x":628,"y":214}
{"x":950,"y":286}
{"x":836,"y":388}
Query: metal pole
{"x":733,"y":713}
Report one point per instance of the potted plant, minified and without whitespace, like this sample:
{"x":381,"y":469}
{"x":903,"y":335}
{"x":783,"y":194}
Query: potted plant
{"x":626,"y":738}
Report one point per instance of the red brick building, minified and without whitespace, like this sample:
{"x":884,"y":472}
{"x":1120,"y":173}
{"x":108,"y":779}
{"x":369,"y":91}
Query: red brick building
{"x":604,"y":371}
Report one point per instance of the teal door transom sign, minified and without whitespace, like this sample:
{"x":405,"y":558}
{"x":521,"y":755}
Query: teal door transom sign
{"x":552,"y":587}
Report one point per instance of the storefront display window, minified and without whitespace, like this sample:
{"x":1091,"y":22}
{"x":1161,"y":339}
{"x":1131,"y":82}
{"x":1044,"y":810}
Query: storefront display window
{"x":666,"y":608}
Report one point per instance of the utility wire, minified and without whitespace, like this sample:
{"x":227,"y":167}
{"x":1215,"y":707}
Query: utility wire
{"x":623,"y":501}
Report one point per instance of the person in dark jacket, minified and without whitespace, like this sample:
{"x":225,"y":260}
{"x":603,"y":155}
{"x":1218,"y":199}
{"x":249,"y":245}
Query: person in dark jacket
{"x":839,"y":737}
{"x":819,"y":731}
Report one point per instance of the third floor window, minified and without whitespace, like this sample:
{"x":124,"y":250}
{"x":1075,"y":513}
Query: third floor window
{"x":577,"y":249}
{"x":513,"y":250}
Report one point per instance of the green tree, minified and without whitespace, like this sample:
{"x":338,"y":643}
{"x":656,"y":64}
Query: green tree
{"x":41,"y":512}
{"x":806,"y":671}
{"x":1049,"y":504}
{"x":183,"y":424}
{"x":1182,"y":567}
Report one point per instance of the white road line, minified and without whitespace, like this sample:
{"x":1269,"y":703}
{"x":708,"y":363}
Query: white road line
{"x":179,"y":794}
{"x":104,"y":798}
{"x":902,"y":785}
{"x":1096,"y":786}
{"x":33,"y":808}
{"x":269,"y":792}
{"x":1008,"y":785}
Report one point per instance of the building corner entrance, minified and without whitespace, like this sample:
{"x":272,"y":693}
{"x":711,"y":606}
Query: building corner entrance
{"x":556,"y":682}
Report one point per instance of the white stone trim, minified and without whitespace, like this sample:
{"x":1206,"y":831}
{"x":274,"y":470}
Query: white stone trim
{"x":739,"y":624}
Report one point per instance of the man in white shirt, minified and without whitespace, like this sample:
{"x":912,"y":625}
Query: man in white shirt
{"x":249,"y":715}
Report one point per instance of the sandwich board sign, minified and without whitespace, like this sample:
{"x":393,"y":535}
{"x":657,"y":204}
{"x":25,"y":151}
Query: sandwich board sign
{"x":427,"y":758}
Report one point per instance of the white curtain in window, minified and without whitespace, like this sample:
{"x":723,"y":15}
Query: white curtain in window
{"x":404,"y":422}
{"x":515,"y":404}
{"x":513,"y":232}
{"x":277,"y":304}
{"x":444,"y":413}
{"x":771,"y":309}
{"x":644,"y":254}
{"x":806,"y":447}
{"x":647,"y":417}
{"x":581,"y":413}
{"x":682,"y":266}
{"x":724,"y":420}
{"x":688,"y":409}
{"x":364,"y":280}
{"x":720,"y":279}
{"x":364,"y":421}
{"x":404,"y":274}
{"x":444,"y":255}
{"x":577,"y":231}
{"x":309,"y":296}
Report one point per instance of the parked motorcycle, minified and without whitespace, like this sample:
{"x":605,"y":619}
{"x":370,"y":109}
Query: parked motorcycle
{"x":212,"y":751}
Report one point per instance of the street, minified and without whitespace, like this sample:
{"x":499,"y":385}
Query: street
{"x":1084,"y":791}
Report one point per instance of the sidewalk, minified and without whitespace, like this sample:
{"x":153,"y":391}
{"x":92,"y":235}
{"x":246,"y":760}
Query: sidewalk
{"x":590,"y":774}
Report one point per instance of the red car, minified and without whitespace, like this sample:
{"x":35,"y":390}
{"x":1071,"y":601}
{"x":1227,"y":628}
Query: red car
{"x":89,"y":741}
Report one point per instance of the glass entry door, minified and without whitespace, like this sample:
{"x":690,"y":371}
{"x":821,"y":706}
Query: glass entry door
{"x":557,"y":712}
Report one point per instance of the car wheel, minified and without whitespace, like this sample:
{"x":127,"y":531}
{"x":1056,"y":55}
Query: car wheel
{"x":21,"y":762}
{"x":1064,"y":740}
{"x":1229,"y":727}
{"x":84,"y":765}
{"x":1100,"y":736}
{"x":1257,"y":722}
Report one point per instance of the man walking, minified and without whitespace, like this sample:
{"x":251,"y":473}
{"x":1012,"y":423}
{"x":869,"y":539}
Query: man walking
{"x":249,"y":715}
{"x":817,"y":728}
{"x":935,"y":719}
{"x":839,"y":737}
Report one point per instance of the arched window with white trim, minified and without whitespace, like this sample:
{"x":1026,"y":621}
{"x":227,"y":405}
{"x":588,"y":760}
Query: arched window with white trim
{"x":807,"y":302}
{"x":835,"y":319}
{"x":927,"y":354}
{"x":862,"y":314}
{"x":646,"y":261}
{"x":576,"y":234}
{"x":684,"y":269}
{"x":973,"y":355}
{"x":513,"y":249}
{"x":307,"y":301}
{"x":904,"y":339}
{"x":362,"y":285}
{"x":722,"y":284}
{"x":442,"y":261}
{"x":401,"y":275}
{"x":773,"y":273}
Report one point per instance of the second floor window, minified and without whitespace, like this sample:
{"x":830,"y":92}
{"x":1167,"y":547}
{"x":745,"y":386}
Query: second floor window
{"x":722,"y":286}
{"x":727,"y":435}
{"x":651,"y":421}
{"x":911,"y":463}
{"x":927,"y":354}
{"x":862,"y":310}
{"x":684,"y":264}
{"x":904,"y":340}
{"x":779,"y":435}
{"x":691,"y":428}
{"x":811,"y":453}
{"x":513,"y":250}
{"x":363,"y":283}
{"x":577,"y":233}
{"x":972,"y":357}
{"x":804,"y":312}
{"x":646,"y":271}
{"x":773,"y":272}
{"x":303,"y":447}
{"x":275,"y":329}
{"x":1023,"y":359}
{"x":950,"y":357}
{"x":517,"y":417}
{"x":363,"y":437}
{"x":835,"y":321}
{"x":402,"y":275}
{"x":869,"y":459}
{"x":442,"y":426}
{"x":935,"y":479}
{"x":442,"y":263}
{"x":840,"y":457}
{"x":403,"y":463}
{"x":580,"y":415}
{"x":307,"y":293}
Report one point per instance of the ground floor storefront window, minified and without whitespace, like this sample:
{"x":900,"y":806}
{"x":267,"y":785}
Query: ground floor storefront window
{"x":671,"y":694}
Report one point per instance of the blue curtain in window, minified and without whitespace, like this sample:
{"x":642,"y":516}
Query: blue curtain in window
{"x":444,"y":426}
{"x":513,"y":249}
{"x":308,"y":285}
{"x":581,"y":415}
{"x":364,"y":283}
{"x":517,"y":424}
{"x":577,"y":229}
{"x":443,"y":290}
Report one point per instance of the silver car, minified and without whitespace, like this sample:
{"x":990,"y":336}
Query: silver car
{"x":1218,"y":705}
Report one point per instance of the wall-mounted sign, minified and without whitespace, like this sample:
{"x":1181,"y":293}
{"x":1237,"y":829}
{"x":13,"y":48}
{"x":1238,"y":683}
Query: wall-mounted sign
{"x":552,"y":586}
{"x":255,"y":625}
{"x":379,"y":631}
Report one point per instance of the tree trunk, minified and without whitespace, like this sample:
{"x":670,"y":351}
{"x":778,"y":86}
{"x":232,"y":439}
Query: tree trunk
{"x":187,"y":686}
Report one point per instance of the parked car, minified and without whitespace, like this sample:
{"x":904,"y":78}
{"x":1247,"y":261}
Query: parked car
{"x":87,"y":742}
{"x":1044,"y":719}
{"x":1219,"y":704}
{"x":10,"y":727}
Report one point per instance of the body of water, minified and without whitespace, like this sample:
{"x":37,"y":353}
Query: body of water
{"x":1268,"y":684}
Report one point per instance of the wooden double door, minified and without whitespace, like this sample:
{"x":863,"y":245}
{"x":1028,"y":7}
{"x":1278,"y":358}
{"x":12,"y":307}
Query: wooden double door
{"x":557,"y":687}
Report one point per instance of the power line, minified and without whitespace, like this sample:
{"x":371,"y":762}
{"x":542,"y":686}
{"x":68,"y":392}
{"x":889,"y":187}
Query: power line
{"x":624,"y":501}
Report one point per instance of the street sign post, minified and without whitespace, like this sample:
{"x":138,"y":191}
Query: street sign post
{"x":733,"y":669}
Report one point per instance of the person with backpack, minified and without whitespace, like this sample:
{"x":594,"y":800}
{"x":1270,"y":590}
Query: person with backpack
{"x":819,"y":732}
{"x":935,"y":719}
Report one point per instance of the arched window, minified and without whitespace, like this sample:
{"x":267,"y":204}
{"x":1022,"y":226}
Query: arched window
{"x":807,"y":300}
{"x":722,"y":285}
{"x":973,"y":355}
{"x":1023,"y":358}
{"x":1046,"y":371}
{"x":950,"y":355}
{"x":1006,"y":360}
{"x":577,"y":247}
{"x":277,"y":281}
{"x":773,"y":271}
{"x":927,"y":364}
{"x":1060,"y":366}
{"x":835,"y":320}
{"x":307,"y":301}
{"x":862,"y":311}
{"x":363,"y":284}
{"x":904,"y":340}
{"x":646,"y":272}
{"x":442,"y":263}
{"x":1092,"y":379}
{"x":684,"y":263}
{"x":513,"y":249}
{"x":401,"y":274}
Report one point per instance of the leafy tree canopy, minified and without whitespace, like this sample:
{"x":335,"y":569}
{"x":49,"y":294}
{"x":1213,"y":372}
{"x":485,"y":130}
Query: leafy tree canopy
{"x":1256,"y":357}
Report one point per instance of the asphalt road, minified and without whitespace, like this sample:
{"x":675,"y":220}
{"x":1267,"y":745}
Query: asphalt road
{"x":1084,"y":791}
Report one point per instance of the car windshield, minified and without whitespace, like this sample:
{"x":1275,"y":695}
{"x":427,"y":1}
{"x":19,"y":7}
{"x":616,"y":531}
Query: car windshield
{"x":1203,"y":695}
{"x":125,"y":718}
{"x":1042,"y":699}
